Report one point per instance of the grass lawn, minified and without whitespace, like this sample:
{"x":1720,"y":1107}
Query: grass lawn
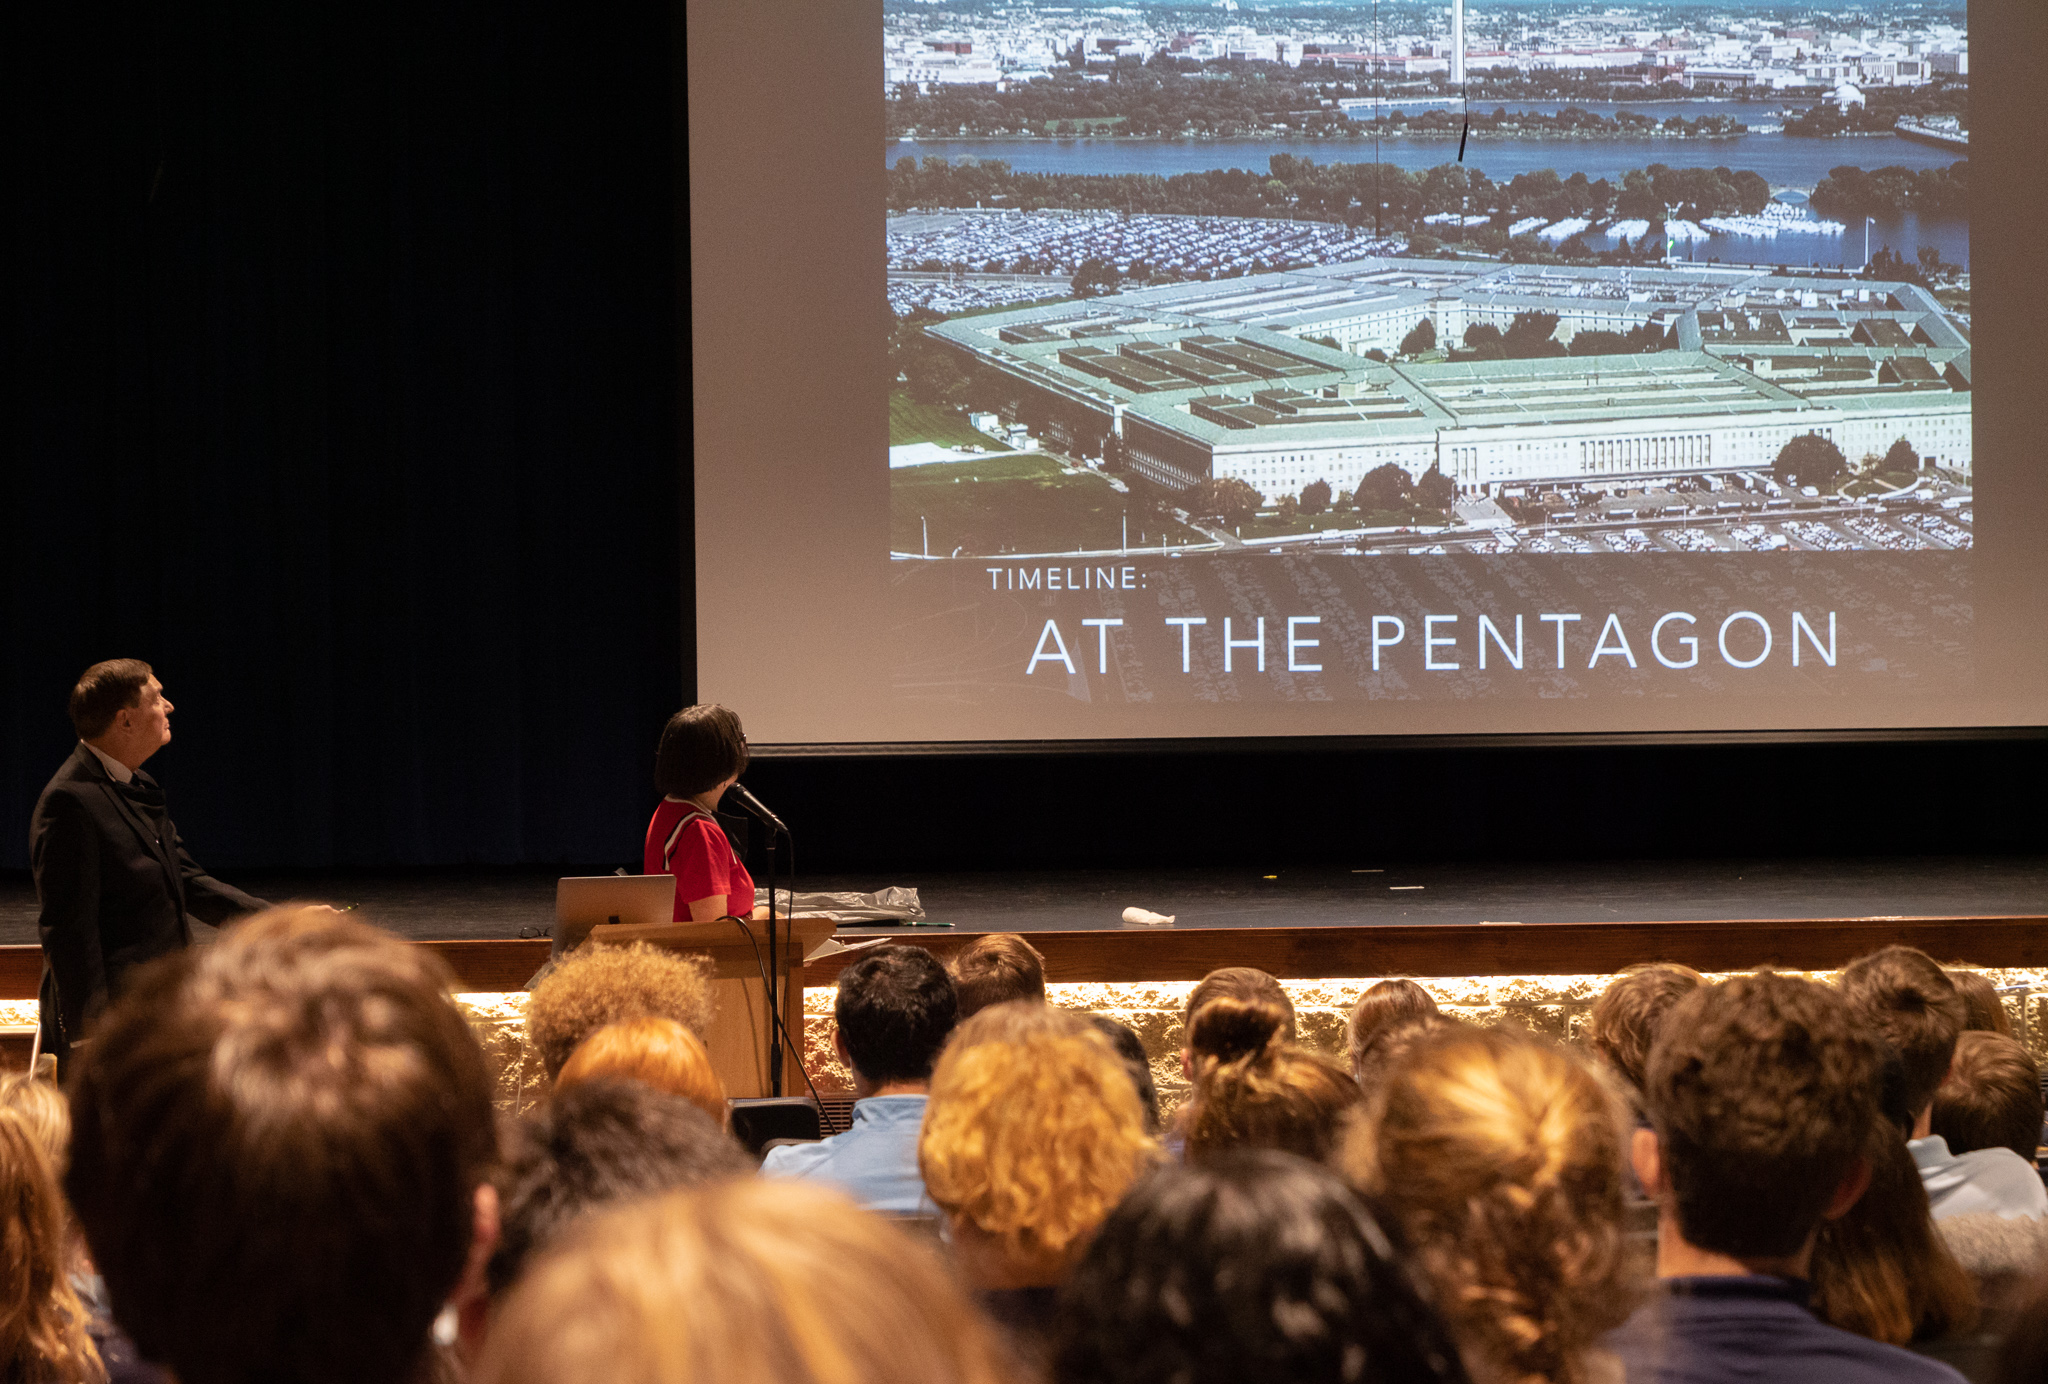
{"x":1016,"y":504}
{"x":910,"y":421}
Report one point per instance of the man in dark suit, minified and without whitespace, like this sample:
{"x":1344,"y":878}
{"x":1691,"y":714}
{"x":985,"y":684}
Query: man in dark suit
{"x":115,"y":883}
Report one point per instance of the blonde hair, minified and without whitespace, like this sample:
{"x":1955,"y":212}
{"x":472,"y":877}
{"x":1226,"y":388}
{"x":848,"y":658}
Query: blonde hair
{"x":1033,"y":1130}
{"x":651,"y":1050}
{"x":598,"y":985}
{"x":42,"y":1322}
{"x":42,"y":1107}
{"x":1498,"y":1157}
{"x":1254,"y":1090}
{"x":743,"y":1282}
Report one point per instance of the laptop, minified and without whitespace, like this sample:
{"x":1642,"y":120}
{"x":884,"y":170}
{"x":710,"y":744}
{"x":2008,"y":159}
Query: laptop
{"x":584,"y":901}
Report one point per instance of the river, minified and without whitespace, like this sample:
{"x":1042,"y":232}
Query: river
{"x":1786,"y":162}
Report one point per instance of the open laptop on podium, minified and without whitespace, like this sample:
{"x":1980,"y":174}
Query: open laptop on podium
{"x":583,"y":902}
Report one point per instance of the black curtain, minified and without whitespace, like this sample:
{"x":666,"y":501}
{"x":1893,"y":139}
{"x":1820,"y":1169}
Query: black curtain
{"x":342,"y":356}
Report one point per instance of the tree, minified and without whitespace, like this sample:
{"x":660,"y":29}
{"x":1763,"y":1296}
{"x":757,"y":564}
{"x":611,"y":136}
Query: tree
{"x":1095,"y":276}
{"x":1481,"y":334}
{"x":1529,"y":335}
{"x":1421,"y":337}
{"x":1436,"y":490}
{"x":1289,"y":507}
{"x":1593,"y":342}
{"x":1810,"y":459}
{"x":1231,"y":500}
{"x":1901,"y":457}
{"x":1315,"y":497}
{"x":1385,"y":487}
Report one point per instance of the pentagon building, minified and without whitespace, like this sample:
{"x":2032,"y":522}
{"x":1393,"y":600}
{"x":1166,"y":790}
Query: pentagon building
{"x":1222,"y":379}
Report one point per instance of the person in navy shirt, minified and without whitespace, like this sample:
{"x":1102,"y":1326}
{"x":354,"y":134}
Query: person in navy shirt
{"x":895,"y":1010}
{"x":1762,"y":1095}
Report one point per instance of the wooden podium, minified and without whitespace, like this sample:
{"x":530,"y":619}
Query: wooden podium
{"x":738,"y":1038}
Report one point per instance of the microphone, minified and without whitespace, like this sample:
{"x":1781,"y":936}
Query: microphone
{"x":739,"y":794}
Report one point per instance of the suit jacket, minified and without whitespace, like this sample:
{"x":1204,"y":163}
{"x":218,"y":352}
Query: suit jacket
{"x":116,"y":889}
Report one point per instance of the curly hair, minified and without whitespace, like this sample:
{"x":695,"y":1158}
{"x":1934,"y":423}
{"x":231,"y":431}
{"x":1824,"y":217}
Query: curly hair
{"x":42,"y":1323}
{"x":1254,"y":1090}
{"x":1033,"y":1130}
{"x":599,"y":985}
{"x":651,"y":1050}
{"x":1910,"y":1003}
{"x":1497,"y":1159}
{"x":1626,"y":1016}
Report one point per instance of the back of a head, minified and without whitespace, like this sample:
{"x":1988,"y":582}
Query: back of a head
{"x":1881,"y":1269}
{"x":42,"y":1107}
{"x":1497,"y":1155}
{"x":1992,"y":1098}
{"x":1255,"y":1266}
{"x":1383,"y":1049}
{"x":277,"y":1145}
{"x":42,"y":1323}
{"x":1238,"y":983}
{"x":895,"y":1008}
{"x":1033,"y":1130}
{"x":597,"y":985}
{"x":596,"y":1143}
{"x":1629,"y":1011}
{"x":1983,"y":1008}
{"x":741,"y":1282}
{"x":996,"y":969}
{"x":1131,"y":1048}
{"x":653,"y":1051}
{"x":1388,"y":1002}
{"x":1762,"y":1091}
{"x":1254,"y":1091}
{"x":1911,"y":1005}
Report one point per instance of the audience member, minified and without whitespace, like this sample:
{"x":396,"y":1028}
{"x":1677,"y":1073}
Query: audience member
{"x":894,"y":1011}
{"x":598,"y":985}
{"x":1626,"y":1017}
{"x":1495,"y":1158}
{"x":1254,"y":1090}
{"x":742,"y":1282}
{"x":1388,"y":1002}
{"x":1992,"y":1098}
{"x":1383,"y":1048}
{"x":43,"y":1325}
{"x":1882,"y":1270}
{"x":2024,"y":1357}
{"x":41,"y":1106}
{"x":1913,"y":1005}
{"x":1255,"y":1266}
{"x":1131,"y":1048}
{"x":654,"y":1051}
{"x":1230,"y":982}
{"x":1761,"y":1095}
{"x":1034,"y":1132}
{"x":996,"y":969}
{"x":280,"y":1151}
{"x":1983,"y":1009}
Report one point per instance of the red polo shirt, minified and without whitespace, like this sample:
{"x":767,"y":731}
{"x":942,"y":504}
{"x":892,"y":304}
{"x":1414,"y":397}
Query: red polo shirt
{"x":684,"y":841}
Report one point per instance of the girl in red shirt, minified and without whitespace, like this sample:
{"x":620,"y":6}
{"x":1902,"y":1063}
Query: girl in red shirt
{"x":703,"y":752}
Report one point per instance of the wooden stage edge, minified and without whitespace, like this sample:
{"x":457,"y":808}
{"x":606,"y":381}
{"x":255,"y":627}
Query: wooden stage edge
{"x":1327,"y":953}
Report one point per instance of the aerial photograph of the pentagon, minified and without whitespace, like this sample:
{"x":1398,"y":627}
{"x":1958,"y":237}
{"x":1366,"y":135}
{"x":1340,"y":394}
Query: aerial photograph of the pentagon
{"x":1165,"y":281}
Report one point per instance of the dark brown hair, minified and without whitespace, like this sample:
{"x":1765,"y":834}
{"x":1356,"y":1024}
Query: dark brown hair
{"x":105,"y":690}
{"x":1254,"y":1090}
{"x":277,"y":1146}
{"x":1882,"y":1270}
{"x":1626,"y":1016}
{"x":1983,"y":1010}
{"x":1762,"y":1092}
{"x":1992,"y":1098}
{"x":1913,"y":1006}
{"x":996,"y":969}
{"x":701,"y":747}
{"x":1238,"y":983}
{"x":1390,"y":1001}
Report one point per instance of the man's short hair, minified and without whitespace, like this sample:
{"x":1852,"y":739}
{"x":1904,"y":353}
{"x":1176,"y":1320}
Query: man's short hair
{"x":278,"y":1142}
{"x":601,"y":1142}
{"x":996,"y":969}
{"x":701,"y":747}
{"x":1992,"y":1098}
{"x":597,"y":985}
{"x":1761,"y":1092}
{"x":1912,"y":1006}
{"x":895,"y":1009}
{"x":1626,"y":1016}
{"x":1237,"y":983}
{"x":105,"y":690}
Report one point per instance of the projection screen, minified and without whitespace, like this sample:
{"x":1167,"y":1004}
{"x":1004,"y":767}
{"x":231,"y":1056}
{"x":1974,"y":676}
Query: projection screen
{"x":1151,"y":371}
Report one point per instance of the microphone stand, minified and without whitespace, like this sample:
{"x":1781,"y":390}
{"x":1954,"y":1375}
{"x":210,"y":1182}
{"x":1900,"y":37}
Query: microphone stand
{"x":775,"y":828}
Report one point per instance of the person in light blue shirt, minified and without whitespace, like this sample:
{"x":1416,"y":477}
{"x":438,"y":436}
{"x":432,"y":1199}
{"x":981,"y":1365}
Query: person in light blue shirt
{"x":895,"y":1008}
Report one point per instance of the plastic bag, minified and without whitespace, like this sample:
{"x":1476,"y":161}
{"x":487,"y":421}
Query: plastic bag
{"x":894,"y":904}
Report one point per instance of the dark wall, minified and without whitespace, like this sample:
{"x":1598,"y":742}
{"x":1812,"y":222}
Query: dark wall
{"x":341,"y":360}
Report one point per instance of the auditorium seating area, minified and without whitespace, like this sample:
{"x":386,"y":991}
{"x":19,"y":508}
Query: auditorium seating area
{"x":1383,"y":1179}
